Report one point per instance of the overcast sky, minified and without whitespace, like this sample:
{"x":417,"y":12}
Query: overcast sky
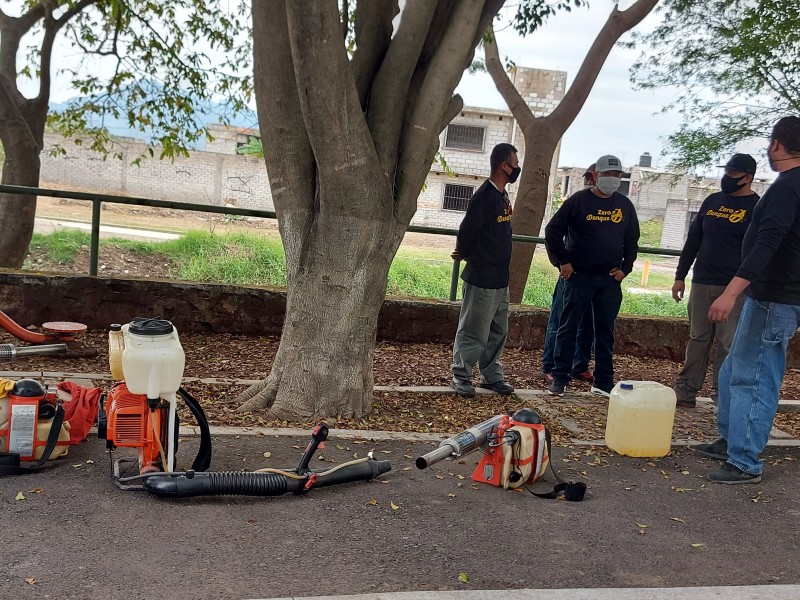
{"x":615,"y":119}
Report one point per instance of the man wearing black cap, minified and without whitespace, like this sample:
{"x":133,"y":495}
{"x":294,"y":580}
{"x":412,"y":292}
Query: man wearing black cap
{"x":714,"y":245}
{"x":751,"y":377}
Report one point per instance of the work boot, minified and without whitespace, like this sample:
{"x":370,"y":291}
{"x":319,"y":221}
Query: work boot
{"x":731,"y":475}
{"x":718,"y":449}
{"x":465,"y":389}
{"x":501,"y":387}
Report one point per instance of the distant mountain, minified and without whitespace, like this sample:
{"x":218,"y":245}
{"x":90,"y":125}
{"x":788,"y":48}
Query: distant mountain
{"x":210,"y":113}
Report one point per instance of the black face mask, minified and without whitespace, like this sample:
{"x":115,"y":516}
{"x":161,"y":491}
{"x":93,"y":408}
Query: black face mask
{"x":514,"y":175}
{"x":729,"y":184}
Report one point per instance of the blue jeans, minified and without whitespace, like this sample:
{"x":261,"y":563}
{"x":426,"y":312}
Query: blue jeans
{"x":583,"y":347}
{"x":602,"y":294}
{"x":751,"y":378}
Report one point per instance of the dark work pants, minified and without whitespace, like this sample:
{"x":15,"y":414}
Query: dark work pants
{"x":603,"y":294}
{"x":583,"y":347}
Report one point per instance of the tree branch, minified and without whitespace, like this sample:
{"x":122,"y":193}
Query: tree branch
{"x":390,"y":87}
{"x":373,"y":32}
{"x":451,"y":112}
{"x":618,"y":23}
{"x":286,"y":147}
{"x":334,"y":120}
{"x":514,"y":100}
{"x":421,"y":135}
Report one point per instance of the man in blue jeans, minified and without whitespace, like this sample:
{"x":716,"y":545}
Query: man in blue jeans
{"x":752,"y":374}
{"x":585,"y":343}
{"x":594,"y":238}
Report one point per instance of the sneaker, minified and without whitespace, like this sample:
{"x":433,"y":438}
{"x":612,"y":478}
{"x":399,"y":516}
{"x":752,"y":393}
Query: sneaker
{"x":602,"y":390}
{"x":718,"y":449}
{"x":501,"y":387}
{"x":730,"y":474}
{"x":548,"y":377}
{"x":586,"y":376}
{"x":556,"y":388}
{"x":463,"y":388}
{"x":686,"y":403}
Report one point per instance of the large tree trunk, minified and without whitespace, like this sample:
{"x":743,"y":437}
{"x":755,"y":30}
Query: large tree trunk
{"x":348,"y":145}
{"x":17,"y":211}
{"x":328,"y":338}
{"x":529,"y":208}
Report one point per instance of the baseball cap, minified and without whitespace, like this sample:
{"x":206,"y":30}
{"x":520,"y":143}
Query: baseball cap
{"x":744,"y":163}
{"x":589,"y":170}
{"x":608,"y":163}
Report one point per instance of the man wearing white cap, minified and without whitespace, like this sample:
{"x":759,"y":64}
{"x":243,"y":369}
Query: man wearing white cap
{"x":594,"y":238}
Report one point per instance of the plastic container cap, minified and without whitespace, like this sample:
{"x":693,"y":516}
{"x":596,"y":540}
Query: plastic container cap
{"x":626,"y":386}
{"x":154,"y":326}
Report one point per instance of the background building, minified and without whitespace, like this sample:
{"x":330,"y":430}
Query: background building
{"x":218,"y":175}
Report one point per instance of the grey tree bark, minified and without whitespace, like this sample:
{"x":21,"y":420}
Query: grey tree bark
{"x":542,"y":134}
{"x":348,"y":143}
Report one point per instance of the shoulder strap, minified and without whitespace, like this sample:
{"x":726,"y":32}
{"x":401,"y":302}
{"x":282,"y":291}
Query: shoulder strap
{"x":9,"y":461}
{"x":574,"y":492}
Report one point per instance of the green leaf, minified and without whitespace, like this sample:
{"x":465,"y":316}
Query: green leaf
{"x":463,"y":577}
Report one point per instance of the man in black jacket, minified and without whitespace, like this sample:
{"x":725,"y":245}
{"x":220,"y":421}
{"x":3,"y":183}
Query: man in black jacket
{"x":594,"y":239}
{"x":484,"y":241}
{"x":714,"y":245}
{"x":751,"y":377}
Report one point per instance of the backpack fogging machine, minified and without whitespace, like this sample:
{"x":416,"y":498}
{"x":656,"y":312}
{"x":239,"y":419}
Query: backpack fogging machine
{"x":140,"y":412}
{"x":516,"y":451}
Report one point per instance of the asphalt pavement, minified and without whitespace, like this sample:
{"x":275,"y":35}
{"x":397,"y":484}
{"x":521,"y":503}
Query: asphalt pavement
{"x":646,"y":524}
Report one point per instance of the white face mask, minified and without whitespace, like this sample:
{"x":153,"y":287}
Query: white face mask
{"x":608,"y":185}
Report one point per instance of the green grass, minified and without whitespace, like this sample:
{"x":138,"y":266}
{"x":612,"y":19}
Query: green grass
{"x":650,"y":233}
{"x":250,"y":259}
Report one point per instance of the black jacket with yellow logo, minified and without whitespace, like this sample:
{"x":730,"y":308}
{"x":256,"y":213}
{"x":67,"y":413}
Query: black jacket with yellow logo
{"x":601,"y":233}
{"x":484,"y":238}
{"x":771,"y":246}
{"x":714,"y":241}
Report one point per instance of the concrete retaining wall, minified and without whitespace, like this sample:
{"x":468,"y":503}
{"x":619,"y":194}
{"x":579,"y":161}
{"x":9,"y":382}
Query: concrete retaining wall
{"x":32,"y":299}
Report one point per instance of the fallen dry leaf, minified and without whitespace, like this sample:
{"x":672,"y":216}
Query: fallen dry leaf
{"x":372,"y":502}
{"x":393,"y":505}
{"x":19,"y":496}
{"x":31,"y":581}
{"x":267,"y":454}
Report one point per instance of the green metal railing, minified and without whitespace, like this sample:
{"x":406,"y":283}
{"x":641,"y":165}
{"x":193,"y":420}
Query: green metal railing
{"x":97,"y":201}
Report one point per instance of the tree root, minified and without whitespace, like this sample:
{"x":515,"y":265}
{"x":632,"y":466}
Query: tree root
{"x":258,"y":396}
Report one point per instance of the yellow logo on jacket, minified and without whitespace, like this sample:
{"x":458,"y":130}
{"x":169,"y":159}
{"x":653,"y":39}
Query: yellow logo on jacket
{"x":615,"y":216}
{"x":723,"y":212}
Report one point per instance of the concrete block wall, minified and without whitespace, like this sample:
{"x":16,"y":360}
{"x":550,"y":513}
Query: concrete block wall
{"x":497,"y":129}
{"x":203,"y":178}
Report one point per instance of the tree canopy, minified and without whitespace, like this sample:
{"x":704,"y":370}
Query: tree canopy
{"x":736,"y":64}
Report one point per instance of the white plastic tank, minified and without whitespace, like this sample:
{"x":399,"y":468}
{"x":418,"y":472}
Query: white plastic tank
{"x":153,"y":359}
{"x":153,"y":362}
{"x":640,"y":419}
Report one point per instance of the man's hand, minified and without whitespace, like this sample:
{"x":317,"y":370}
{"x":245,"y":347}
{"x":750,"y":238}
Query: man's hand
{"x":455,"y":255}
{"x":678,"y":288}
{"x":566,"y":270}
{"x":721,"y":308}
{"x":617,"y":274}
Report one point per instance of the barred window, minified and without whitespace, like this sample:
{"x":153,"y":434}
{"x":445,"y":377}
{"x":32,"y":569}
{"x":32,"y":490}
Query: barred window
{"x":464,"y":137}
{"x":456,"y":197}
